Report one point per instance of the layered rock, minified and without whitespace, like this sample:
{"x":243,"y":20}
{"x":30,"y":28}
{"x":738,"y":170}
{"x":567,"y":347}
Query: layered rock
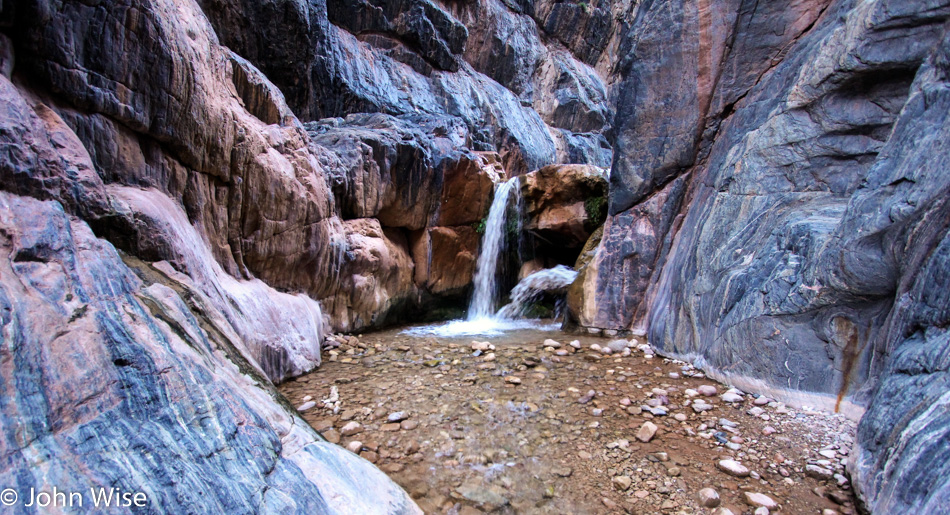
{"x":109,"y":377}
{"x":202,"y":177}
{"x":771,"y":210}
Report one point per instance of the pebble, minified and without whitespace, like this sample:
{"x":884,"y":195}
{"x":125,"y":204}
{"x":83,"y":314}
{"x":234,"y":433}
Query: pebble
{"x":756,"y":499}
{"x":680,"y":417}
{"x":576,"y":344}
{"x":307,"y":405}
{"x":722,"y":510}
{"x":398,"y":416}
{"x":709,"y":498}
{"x":408,"y":425}
{"x":552,"y":343}
{"x":731,"y":397}
{"x":482,"y":346}
{"x":354,"y":446}
{"x":761,"y":510}
{"x":707,"y":390}
{"x":618,"y":345}
{"x":733,"y":468}
{"x":646,"y":432}
{"x":622,"y":483}
{"x":351,"y":428}
{"x":761,"y":400}
{"x":818,"y":472}
{"x":768,"y":430}
{"x":512,"y":380}
{"x":700,"y":407}
{"x":828,"y":453}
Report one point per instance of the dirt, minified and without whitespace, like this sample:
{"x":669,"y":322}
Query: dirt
{"x":520,"y":434}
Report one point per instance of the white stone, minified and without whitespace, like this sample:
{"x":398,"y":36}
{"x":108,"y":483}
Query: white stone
{"x":756,"y":499}
{"x":307,"y":405}
{"x":733,"y":468}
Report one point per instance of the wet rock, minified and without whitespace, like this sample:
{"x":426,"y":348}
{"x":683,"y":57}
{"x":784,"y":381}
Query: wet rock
{"x":513,"y":380}
{"x":483,"y":496}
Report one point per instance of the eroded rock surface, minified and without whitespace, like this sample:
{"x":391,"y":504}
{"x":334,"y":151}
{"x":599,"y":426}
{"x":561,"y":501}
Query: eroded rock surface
{"x":771,"y":207}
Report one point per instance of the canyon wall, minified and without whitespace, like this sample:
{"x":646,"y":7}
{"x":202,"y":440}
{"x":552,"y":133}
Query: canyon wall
{"x":778,"y":215}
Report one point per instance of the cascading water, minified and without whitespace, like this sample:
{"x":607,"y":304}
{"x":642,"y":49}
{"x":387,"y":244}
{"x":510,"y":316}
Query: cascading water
{"x":552,"y":280}
{"x":482,"y":319}
{"x":486,"y":281}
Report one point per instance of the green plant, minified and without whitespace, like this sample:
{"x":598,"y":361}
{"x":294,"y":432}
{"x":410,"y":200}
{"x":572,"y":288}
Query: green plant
{"x":584,"y":7}
{"x":479,"y":226}
{"x":596,"y":209}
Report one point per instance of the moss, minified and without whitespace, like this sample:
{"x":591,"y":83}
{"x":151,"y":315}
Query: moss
{"x":479,"y":226}
{"x":596,"y":209}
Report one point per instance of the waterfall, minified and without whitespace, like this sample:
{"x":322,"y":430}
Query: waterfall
{"x":530,"y":289}
{"x":486,"y":280}
{"x":482,"y":319}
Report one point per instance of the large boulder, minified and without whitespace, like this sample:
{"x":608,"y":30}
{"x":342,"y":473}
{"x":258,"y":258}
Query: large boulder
{"x":564,"y":204}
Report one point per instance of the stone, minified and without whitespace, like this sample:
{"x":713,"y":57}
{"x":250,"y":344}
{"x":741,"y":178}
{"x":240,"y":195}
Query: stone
{"x":513,"y":380}
{"x":351,"y":428}
{"x":646,"y":431}
{"x":733,"y":468}
{"x":817,"y":472}
{"x":709,"y":497}
{"x":618,"y":345}
{"x":408,"y":425}
{"x":354,"y":446}
{"x":552,"y":343}
{"x":622,"y":483}
{"x":398,"y":416}
{"x":731,"y":397}
{"x":307,"y":405}
{"x":755,"y":499}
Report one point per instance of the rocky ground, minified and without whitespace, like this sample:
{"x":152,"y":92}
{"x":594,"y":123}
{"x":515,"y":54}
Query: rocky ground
{"x":545,"y":422}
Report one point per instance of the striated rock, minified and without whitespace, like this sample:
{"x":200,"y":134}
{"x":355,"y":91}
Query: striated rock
{"x":149,"y":350}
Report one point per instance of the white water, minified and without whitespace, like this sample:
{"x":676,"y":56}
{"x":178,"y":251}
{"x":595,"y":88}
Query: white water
{"x":530,"y":289}
{"x":483,"y":300}
{"x":482,"y":320}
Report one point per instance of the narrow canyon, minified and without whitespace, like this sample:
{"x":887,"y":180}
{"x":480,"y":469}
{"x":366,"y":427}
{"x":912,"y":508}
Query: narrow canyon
{"x":468,"y":256}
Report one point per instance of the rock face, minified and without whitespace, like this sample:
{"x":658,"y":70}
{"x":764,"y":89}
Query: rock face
{"x":141,"y":359}
{"x":777,"y":215}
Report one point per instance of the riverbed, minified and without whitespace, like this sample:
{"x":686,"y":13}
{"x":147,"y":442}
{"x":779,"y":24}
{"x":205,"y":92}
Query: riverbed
{"x":518,"y":428}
